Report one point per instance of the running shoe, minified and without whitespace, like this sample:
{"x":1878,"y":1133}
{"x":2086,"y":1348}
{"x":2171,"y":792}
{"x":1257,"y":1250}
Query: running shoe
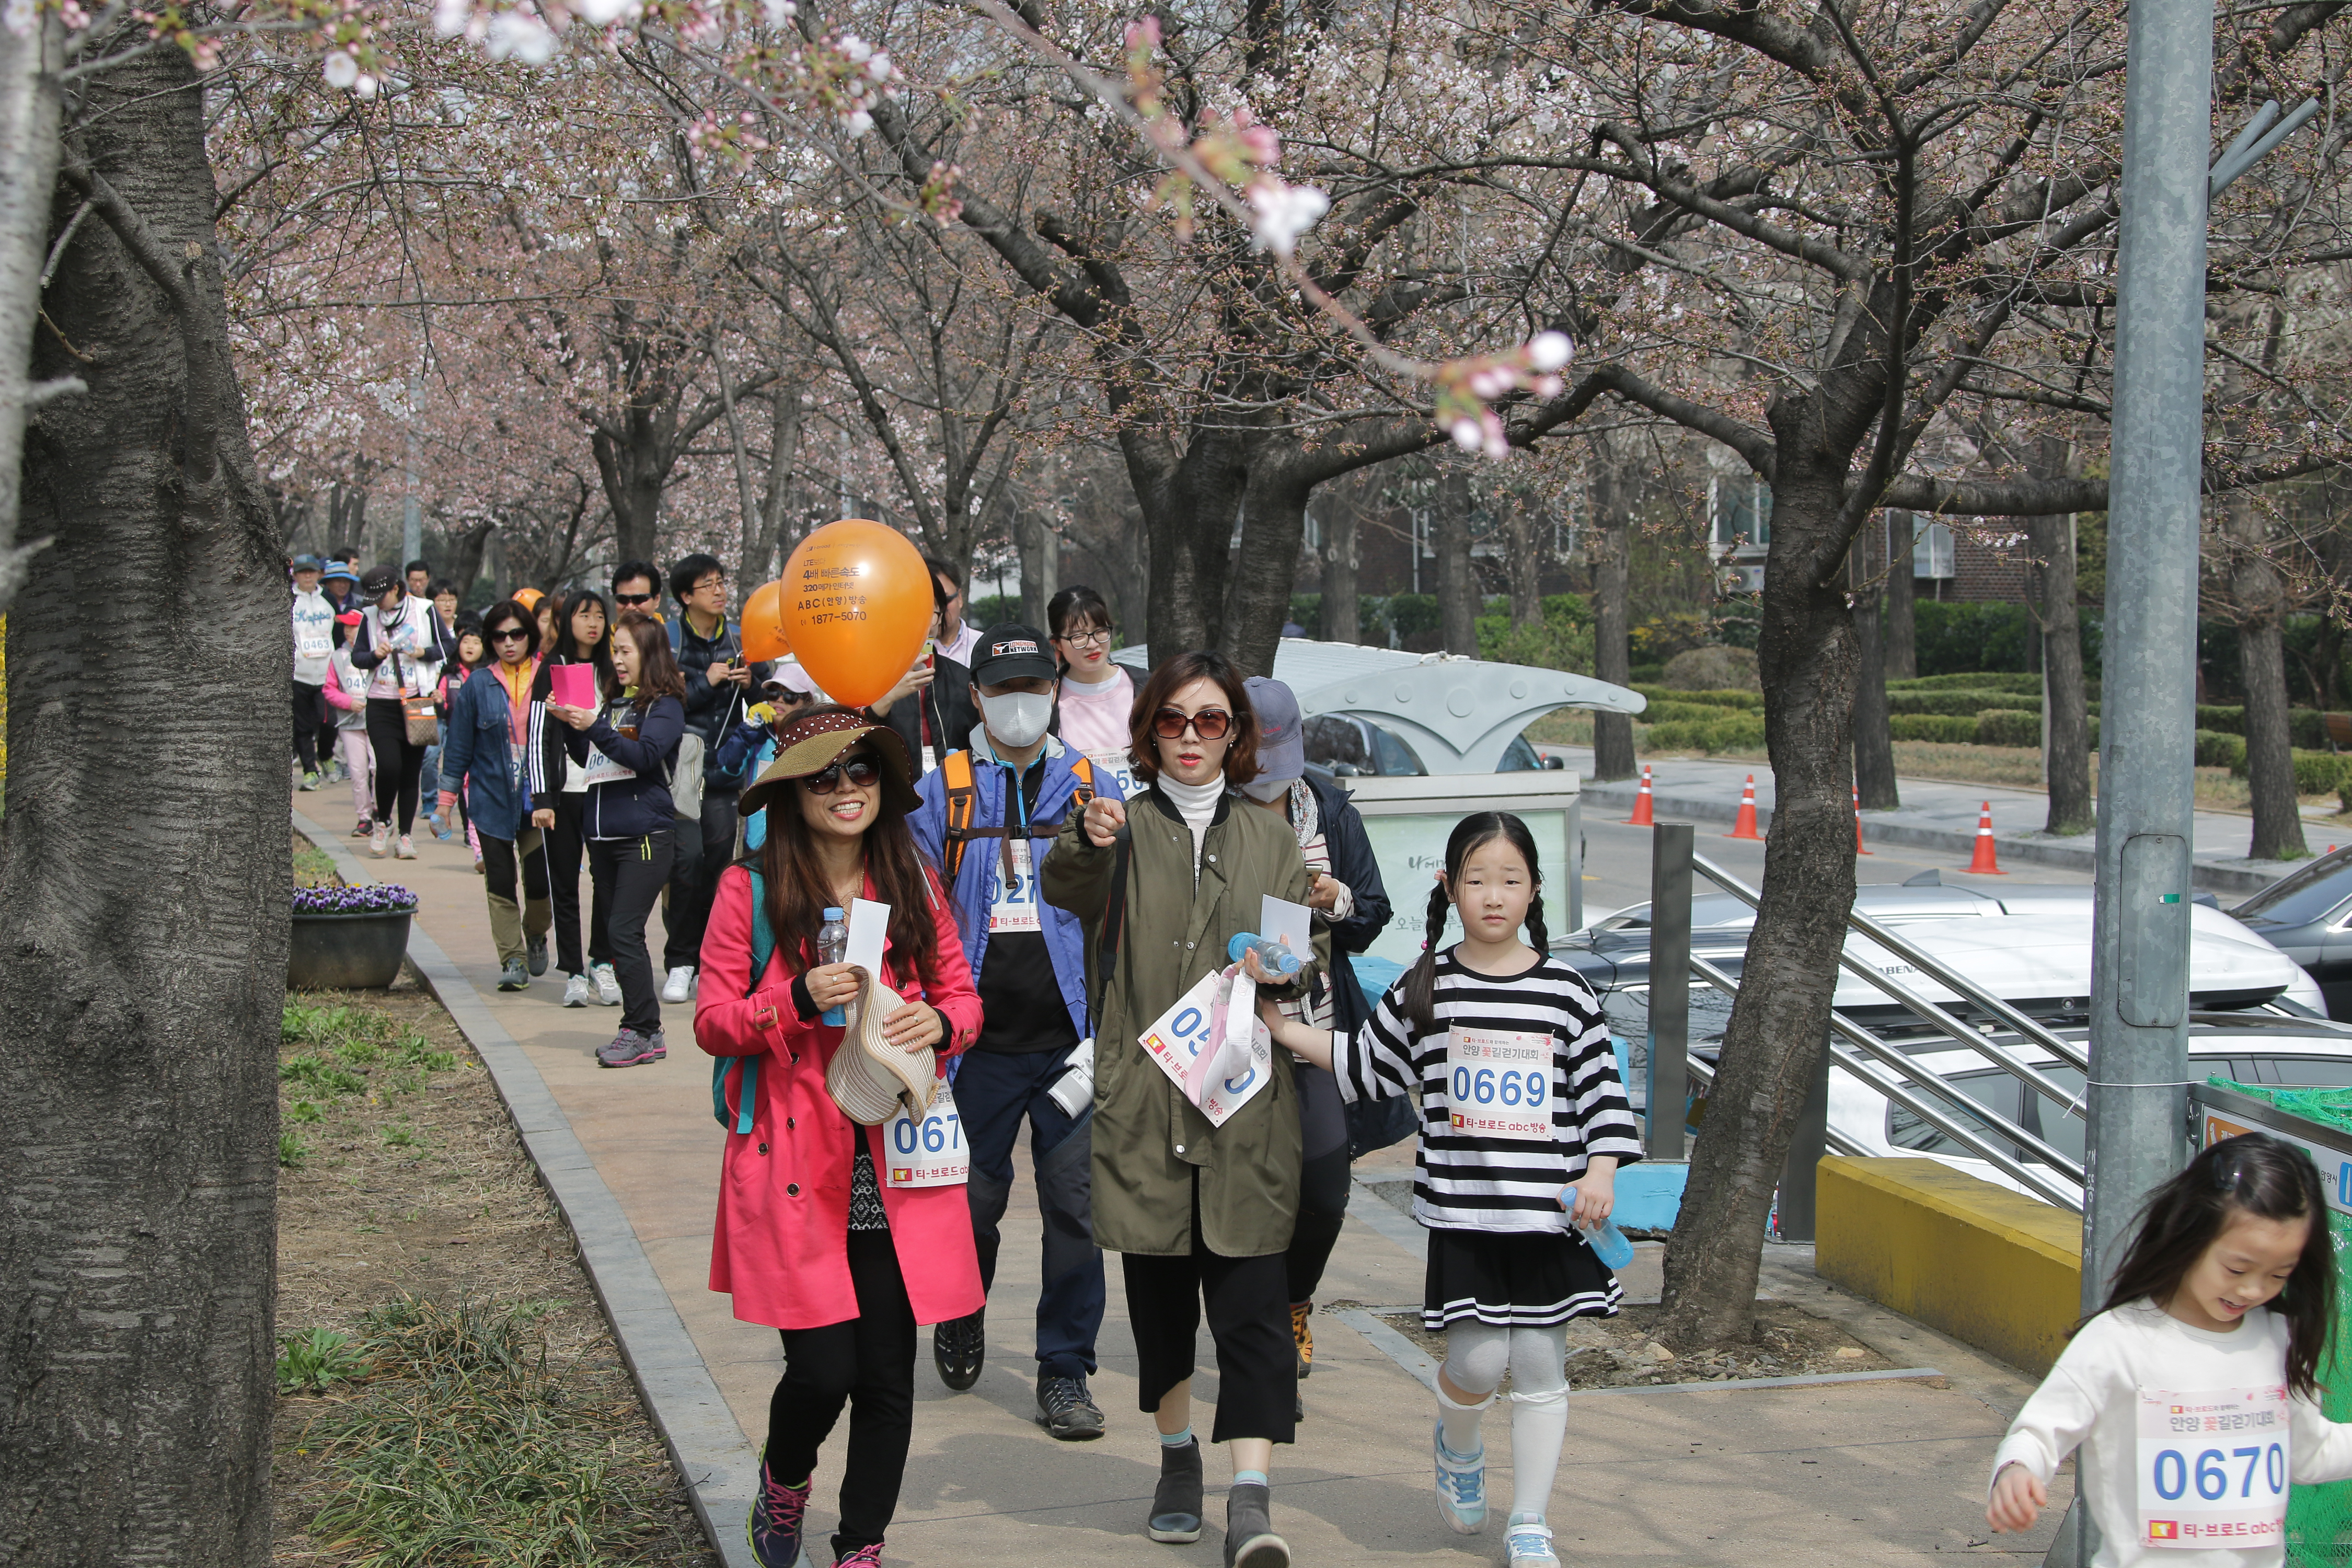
{"x":1460,"y":1486}
{"x":679,"y":986}
{"x":1302,"y":1335}
{"x":361,"y":828}
{"x":1067,"y":1410}
{"x":628,"y":1047}
{"x":866,"y":1556}
{"x":1176,"y":1504}
{"x":1250,"y":1540}
{"x":407,"y":847}
{"x":310,"y":780}
{"x":608,"y":984}
{"x":577,"y":992}
{"x":512,"y":976}
{"x":379,"y":841}
{"x":960,"y":1348}
{"x":536,"y":946}
{"x":1530,"y":1544}
{"x":777,"y":1511}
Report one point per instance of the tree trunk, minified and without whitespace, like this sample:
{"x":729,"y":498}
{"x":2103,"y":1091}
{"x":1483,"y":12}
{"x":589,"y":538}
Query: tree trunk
{"x":1041,"y":561}
{"x":1189,"y":506}
{"x":1457,"y":580}
{"x":1524,"y":565}
{"x":146,"y":929}
{"x":29,"y":62}
{"x":1340,"y":623}
{"x":2260,"y":601}
{"x":1613,"y":653}
{"x":1900,"y":634}
{"x":1273,"y":521}
{"x":466,"y":558}
{"x":1807,"y":657}
{"x":1874,"y":740}
{"x":2049,"y":594}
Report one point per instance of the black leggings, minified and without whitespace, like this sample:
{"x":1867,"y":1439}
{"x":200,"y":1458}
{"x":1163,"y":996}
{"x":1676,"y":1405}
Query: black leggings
{"x":1322,"y":1179}
{"x":1249,"y":1321}
{"x":869,"y":1364}
{"x":566,"y":845}
{"x":629,"y":874}
{"x":398,"y":764}
{"x":309,"y":715}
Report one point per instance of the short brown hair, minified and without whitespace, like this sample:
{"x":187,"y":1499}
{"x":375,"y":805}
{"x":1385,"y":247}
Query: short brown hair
{"x":657,"y":672}
{"x":1204,"y":664}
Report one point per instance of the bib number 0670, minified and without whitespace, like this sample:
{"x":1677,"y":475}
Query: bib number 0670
{"x":2211,"y":1472}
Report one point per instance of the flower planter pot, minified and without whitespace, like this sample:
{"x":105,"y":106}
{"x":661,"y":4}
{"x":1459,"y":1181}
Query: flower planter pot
{"x":346,"y":951}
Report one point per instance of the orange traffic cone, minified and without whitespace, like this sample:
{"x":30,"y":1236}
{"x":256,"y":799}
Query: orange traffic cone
{"x":1985,"y":864}
{"x":1857,"y":821}
{"x":1640,"y":818}
{"x":1744,"y":826}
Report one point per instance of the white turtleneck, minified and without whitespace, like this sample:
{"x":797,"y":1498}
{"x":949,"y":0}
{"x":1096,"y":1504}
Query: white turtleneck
{"x":1196,"y":803}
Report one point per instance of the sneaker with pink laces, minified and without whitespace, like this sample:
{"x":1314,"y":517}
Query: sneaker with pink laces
{"x":407,"y":847}
{"x":379,"y":837}
{"x":774,"y":1527}
{"x":866,"y":1556}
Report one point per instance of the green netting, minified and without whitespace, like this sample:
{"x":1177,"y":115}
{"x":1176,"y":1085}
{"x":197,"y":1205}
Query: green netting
{"x":2319,"y":1519}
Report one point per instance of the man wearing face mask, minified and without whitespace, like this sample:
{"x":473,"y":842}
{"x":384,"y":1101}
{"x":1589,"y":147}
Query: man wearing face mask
{"x":988,"y":817}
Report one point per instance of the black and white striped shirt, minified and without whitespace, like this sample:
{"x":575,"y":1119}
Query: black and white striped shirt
{"x":1485,"y":1183}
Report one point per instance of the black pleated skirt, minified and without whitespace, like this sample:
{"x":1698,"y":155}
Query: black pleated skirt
{"x":1523,"y":1279}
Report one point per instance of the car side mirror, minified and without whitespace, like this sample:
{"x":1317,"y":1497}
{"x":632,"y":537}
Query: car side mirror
{"x":1345,"y":770}
{"x":1555,"y":763}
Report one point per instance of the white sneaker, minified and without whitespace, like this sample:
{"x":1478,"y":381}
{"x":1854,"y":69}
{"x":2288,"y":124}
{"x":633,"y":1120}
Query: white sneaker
{"x":679,"y":986}
{"x":1530,"y":1544}
{"x":576,"y":990}
{"x":379,"y":838}
{"x":407,"y":847}
{"x":608,"y":984}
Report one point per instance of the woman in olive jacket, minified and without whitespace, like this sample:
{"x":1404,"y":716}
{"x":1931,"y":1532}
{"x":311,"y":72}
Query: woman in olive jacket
{"x":1194,"y":1210}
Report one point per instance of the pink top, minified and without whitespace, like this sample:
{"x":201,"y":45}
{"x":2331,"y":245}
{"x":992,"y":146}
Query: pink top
{"x":1095,"y":718}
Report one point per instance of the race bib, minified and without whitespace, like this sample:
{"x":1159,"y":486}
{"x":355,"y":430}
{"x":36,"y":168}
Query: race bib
{"x":1499,"y":1085}
{"x":1114,"y":767}
{"x":1014,"y":905}
{"x":1219,"y":1064}
{"x":2213,"y":1468}
{"x":929,"y":1153}
{"x":312,"y":642}
{"x":601,"y":769}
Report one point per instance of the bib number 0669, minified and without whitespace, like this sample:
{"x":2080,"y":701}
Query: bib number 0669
{"x":1489,"y":1086}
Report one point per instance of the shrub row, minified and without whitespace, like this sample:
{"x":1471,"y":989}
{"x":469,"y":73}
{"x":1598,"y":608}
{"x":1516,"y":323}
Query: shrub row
{"x":2305,"y":727}
{"x":1947,"y":727}
{"x":1737,"y":734}
{"x":1978,"y":681}
{"x":1745,"y":701}
{"x":1961,"y":701}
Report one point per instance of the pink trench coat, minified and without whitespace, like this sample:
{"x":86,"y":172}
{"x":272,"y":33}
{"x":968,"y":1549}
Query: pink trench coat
{"x":782,"y":1246}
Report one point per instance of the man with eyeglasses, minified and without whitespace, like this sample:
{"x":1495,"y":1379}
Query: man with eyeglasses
{"x":710,"y":654}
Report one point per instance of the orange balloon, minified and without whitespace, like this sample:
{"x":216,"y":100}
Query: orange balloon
{"x":857,"y":607}
{"x":762,"y":623}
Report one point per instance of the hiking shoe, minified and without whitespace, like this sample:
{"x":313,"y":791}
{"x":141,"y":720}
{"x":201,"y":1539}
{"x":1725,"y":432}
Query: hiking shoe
{"x":1067,"y":1410}
{"x":1461,"y":1485}
{"x":379,"y":841}
{"x":679,"y":986}
{"x":311,"y":779}
{"x":608,"y":984}
{"x":959,"y":1349}
{"x":628,"y":1047}
{"x":407,"y":847}
{"x":577,"y":992}
{"x":513,"y":977}
{"x":1530,"y":1544}
{"x":361,"y":828}
{"x":777,"y":1510}
{"x":1302,"y":1335}
{"x":536,"y":946}
{"x":1250,"y":1540}
{"x":1176,"y":1502}
{"x":866,"y":1556}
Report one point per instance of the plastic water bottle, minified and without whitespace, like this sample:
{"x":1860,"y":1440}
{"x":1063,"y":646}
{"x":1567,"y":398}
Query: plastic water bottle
{"x":1272,"y":956}
{"x":1607,"y":1243}
{"x":831,"y":944}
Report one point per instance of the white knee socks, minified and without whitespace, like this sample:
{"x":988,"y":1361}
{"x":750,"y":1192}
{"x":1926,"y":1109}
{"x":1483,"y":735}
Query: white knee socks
{"x":1476,"y":1357}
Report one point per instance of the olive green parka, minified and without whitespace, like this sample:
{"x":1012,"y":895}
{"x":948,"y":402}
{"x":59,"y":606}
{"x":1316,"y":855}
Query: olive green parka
{"x":1151,"y":1145}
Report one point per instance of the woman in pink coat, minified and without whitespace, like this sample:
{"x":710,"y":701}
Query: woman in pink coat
{"x":812,"y":1239}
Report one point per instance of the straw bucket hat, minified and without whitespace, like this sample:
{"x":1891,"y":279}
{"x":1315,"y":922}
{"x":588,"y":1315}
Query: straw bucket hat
{"x":810,"y":744}
{"x":868,"y":1077}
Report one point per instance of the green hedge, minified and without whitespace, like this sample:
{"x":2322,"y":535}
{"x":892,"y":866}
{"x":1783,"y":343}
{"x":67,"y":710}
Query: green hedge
{"x":1978,"y":681}
{"x":2215,"y":749}
{"x":1745,"y":701}
{"x":1946,"y":727}
{"x":2305,"y":727}
{"x":2008,"y":727}
{"x":1742,"y":734}
{"x":1963,"y":701}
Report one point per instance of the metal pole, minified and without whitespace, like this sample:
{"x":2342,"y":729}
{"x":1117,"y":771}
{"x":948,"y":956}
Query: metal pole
{"x":1670,"y":929}
{"x":2139,"y":974}
{"x":1576,"y":862}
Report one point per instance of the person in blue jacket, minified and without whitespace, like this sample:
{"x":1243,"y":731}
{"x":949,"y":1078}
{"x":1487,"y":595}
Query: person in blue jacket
{"x":750,"y":746}
{"x":988,"y":817}
{"x":488,"y":724}
{"x":628,"y":745}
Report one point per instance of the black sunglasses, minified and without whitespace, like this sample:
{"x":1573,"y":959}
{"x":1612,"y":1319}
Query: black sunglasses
{"x":861,"y":773}
{"x":1209,"y":723}
{"x":511,"y":634}
{"x":633,"y":598}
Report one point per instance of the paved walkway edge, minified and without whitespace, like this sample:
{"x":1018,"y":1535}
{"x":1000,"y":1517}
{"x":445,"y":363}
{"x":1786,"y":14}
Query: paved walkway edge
{"x":2074,"y":855}
{"x":713,"y":1457}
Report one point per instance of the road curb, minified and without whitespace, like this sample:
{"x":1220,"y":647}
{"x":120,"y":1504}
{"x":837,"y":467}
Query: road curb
{"x":2030,"y":847}
{"x":713,"y":1457}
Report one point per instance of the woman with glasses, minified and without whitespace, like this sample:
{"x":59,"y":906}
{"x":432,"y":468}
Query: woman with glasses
{"x":1098,"y":696}
{"x":753,"y":742}
{"x":818,"y":1235}
{"x":627,"y":747}
{"x":489,"y":728}
{"x":559,"y":798}
{"x":1199,"y":1211}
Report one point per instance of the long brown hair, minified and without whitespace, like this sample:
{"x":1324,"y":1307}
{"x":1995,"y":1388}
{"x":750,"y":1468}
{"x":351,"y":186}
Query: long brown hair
{"x":657,"y":672}
{"x":798,"y":895}
{"x":1204,"y":664}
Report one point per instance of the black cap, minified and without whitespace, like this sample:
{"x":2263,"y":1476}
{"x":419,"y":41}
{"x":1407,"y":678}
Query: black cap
{"x":1010,"y":651}
{"x":380,"y":580}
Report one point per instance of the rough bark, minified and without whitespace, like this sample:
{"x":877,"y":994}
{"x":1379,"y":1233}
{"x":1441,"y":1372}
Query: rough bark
{"x":1613,"y":657}
{"x":29,"y":61}
{"x":2049,"y":596}
{"x":2259,"y":595}
{"x":144,"y":929}
{"x":1900,"y":632}
{"x":1340,"y":622}
{"x":1041,"y":561}
{"x":466,"y":547}
{"x":1457,"y":579}
{"x":1524,"y":565}
{"x":783,"y":456}
{"x":1874,"y":740}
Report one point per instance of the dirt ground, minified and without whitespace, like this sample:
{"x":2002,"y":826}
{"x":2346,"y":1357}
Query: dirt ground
{"x":1618,"y":1352}
{"x":411,"y":1183}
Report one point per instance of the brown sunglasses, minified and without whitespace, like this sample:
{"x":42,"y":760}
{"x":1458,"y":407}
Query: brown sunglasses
{"x":1209,"y":723}
{"x":861,"y":773}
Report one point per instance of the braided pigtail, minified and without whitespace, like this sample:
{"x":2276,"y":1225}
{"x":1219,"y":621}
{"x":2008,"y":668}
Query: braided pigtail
{"x":1538,"y":938}
{"x":1421,"y":980}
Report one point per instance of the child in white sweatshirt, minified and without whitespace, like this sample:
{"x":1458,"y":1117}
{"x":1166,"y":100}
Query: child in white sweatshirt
{"x":2193,"y":1394}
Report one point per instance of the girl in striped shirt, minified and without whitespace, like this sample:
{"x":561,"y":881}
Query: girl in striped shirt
{"x":1522,"y":1114}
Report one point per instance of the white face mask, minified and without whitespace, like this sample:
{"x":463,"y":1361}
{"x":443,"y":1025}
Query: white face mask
{"x":1017,"y":718}
{"x":1263,"y":789}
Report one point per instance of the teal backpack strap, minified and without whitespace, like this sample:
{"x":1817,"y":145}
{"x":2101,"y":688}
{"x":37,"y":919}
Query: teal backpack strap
{"x":763,"y":947}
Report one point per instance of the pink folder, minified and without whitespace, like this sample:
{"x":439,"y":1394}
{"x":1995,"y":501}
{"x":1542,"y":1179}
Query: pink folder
{"x":573,"y":685}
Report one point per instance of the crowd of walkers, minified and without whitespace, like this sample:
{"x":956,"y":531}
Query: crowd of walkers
{"x":1064,"y":852}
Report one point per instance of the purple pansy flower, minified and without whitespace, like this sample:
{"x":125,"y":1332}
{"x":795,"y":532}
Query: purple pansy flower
{"x":376,"y":897}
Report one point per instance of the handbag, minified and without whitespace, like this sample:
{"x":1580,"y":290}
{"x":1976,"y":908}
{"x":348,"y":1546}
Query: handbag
{"x":870,"y":1078}
{"x":416,"y":713}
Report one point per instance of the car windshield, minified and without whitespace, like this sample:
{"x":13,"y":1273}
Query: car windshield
{"x":1330,"y":740}
{"x":1518,"y":757}
{"x":2301,"y":897}
{"x":1397,"y":758}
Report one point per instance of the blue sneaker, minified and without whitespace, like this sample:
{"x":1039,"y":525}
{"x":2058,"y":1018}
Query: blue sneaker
{"x":1460,"y":1486}
{"x":774,"y":1527}
{"x":1530,"y":1544}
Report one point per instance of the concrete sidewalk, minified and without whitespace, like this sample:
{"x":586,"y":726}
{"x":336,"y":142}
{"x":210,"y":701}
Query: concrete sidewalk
{"x":1933,"y":815}
{"x":1861,"y":1473}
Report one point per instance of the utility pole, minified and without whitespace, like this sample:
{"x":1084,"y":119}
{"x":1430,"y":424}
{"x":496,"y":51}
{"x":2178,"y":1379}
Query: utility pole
{"x":411,"y":516}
